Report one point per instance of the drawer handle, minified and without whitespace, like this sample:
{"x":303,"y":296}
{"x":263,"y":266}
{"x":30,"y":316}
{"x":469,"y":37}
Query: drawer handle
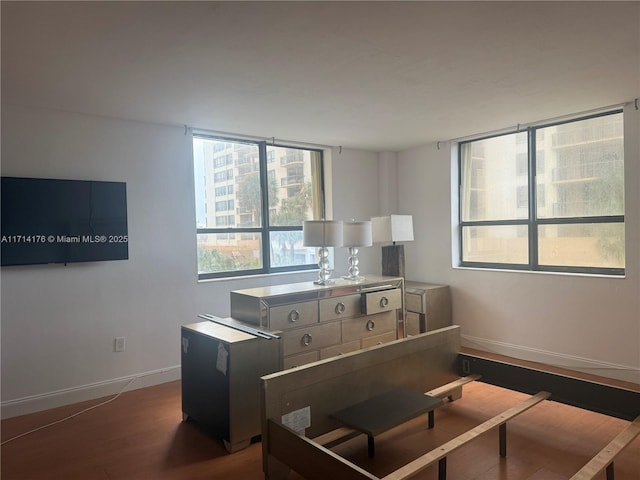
{"x":384,"y":301}
{"x":340,"y":308}
{"x":294,"y":316}
{"x":307,"y":339}
{"x":371,"y":325}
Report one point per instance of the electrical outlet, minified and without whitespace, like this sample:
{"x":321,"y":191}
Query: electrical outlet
{"x":466,"y":368}
{"x":118,"y":344}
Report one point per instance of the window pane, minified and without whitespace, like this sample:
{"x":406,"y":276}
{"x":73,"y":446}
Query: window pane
{"x":286,"y":249}
{"x":238,"y":183}
{"x":492,"y":174}
{"x":228,"y":252}
{"x":583,"y":245}
{"x":291,"y":173}
{"x":227,"y":184}
{"x":584,"y":174}
{"x":496,"y":244}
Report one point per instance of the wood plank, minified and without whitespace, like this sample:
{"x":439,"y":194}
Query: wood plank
{"x":301,"y":453}
{"x":445,"y":390}
{"x":605,"y":456}
{"x":442,"y":451}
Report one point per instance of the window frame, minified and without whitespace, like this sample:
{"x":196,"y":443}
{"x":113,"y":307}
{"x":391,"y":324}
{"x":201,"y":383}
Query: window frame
{"x":532,"y":221}
{"x":265,"y":229}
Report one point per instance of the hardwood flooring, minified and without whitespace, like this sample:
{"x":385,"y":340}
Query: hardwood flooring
{"x":141,"y":436}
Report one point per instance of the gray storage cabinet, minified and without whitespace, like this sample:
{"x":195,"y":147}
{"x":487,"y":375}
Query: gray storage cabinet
{"x":428,"y":307}
{"x":221,"y":370}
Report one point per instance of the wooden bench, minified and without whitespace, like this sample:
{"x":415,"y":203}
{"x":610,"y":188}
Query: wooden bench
{"x":604,"y":459}
{"x":383,"y":412}
{"x":440,"y":454}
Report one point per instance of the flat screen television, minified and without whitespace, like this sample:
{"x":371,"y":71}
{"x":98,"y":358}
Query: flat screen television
{"x":62,"y":221}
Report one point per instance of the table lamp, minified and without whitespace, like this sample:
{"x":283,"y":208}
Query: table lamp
{"x":392,"y":228}
{"x":355,"y":235}
{"x":322,"y":234}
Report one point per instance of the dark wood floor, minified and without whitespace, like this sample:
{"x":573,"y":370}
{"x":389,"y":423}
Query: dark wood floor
{"x":141,"y":436}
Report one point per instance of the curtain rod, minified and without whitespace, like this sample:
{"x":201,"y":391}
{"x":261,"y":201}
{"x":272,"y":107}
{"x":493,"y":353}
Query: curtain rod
{"x":270,"y":140}
{"x":524,"y":126}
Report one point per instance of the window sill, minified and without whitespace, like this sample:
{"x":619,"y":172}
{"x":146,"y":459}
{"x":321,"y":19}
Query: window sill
{"x":313,"y":274}
{"x":541,"y":272}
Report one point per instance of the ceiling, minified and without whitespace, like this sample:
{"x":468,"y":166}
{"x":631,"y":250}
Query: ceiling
{"x":380,"y":76}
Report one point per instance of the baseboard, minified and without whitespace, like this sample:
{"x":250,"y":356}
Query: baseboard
{"x":68,"y":396}
{"x":625,"y":373}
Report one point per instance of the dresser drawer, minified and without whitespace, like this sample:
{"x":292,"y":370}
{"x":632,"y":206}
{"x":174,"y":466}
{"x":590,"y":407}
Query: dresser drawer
{"x":412,"y":324}
{"x":383,"y":301}
{"x":291,"y":316}
{"x":378,"y":339}
{"x":339,"y":307}
{"x":340,"y":349}
{"x":310,"y":338}
{"x":362,"y":327}
{"x":300,"y":359}
{"x":415,"y":302}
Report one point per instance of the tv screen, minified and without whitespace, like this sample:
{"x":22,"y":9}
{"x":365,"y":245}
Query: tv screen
{"x":62,"y":221}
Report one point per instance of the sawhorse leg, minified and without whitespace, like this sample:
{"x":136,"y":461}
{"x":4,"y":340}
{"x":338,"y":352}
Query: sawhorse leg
{"x":371,"y":446}
{"x":442,"y":469}
{"x":502,"y":433}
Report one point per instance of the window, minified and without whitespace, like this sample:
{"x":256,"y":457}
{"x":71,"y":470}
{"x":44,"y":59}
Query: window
{"x":559,"y":206}
{"x":257,"y":227}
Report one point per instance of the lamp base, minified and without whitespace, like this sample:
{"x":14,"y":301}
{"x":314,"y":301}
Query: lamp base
{"x":393,"y":260}
{"x":324,"y":274}
{"x":353,"y":270}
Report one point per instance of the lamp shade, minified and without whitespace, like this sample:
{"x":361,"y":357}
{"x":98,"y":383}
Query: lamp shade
{"x":322,"y":233}
{"x":356,"y":234}
{"x":392,"y":228}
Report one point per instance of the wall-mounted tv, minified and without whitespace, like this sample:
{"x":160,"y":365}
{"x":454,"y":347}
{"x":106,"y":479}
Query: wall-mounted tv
{"x":62,"y":221}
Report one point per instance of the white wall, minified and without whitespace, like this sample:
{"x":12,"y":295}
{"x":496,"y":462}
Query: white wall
{"x":356,"y":195}
{"x":588,"y":323}
{"x":59,"y":322}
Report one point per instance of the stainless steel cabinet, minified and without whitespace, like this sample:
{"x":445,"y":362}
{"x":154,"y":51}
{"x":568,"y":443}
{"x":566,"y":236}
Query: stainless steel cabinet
{"x":428,"y":307}
{"x":221,"y":370}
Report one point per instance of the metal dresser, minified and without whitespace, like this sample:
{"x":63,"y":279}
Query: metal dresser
{"x":322,"y":321}
{"x":275,"y":328}
{"x":428,"y":307}
{"x":221,"y":370}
